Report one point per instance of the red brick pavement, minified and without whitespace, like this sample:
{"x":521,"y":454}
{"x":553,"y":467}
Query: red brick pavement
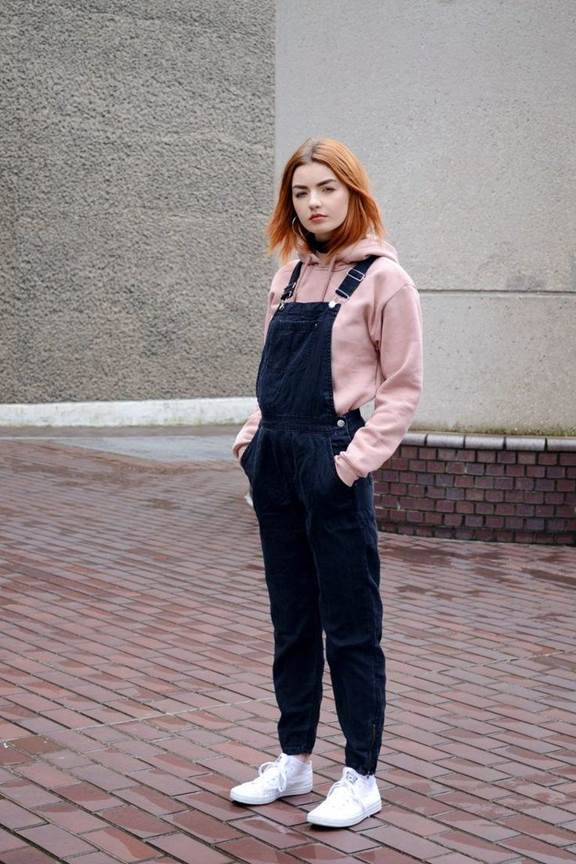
{"x":135,"y":682}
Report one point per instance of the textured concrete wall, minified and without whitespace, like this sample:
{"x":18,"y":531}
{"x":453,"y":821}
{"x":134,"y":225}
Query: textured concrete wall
{"x":136,"y":166}
{"x":464,"y":113}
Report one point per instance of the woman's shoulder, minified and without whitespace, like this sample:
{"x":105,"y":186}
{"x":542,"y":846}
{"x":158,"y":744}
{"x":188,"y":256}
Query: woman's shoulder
{"x":287,"y":268}
{"x":281,"y":276}
{"x":388,"y":277}
{"x":389,"y":268}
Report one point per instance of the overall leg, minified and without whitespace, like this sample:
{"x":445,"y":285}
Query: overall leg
{"x":348,"y":563}
{"x":342,"y":531}
{"x":292,"y":585}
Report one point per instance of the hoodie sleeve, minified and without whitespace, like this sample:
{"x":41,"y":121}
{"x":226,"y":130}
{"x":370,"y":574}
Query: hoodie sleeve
{"x":249,"y":428}
{"x":397,"y":397}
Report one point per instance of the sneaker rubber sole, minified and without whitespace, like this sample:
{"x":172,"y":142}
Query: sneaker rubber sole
{"x":342,"y":822}
{"x":301,"y":788}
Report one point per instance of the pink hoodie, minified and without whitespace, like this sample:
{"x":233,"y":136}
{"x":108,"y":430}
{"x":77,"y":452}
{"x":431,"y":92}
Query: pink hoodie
{"x":376,"y":349}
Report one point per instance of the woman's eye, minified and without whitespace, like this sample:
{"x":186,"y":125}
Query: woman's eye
{"x":325,"y":189}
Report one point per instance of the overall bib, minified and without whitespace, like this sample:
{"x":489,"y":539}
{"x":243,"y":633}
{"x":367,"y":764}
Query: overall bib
{"x":319,"y":535}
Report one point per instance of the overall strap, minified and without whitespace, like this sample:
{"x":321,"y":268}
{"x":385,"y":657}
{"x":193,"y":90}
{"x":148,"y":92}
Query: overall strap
{"x":346,"y":288}
{"x":355,"y":276}
{"x":289,"y":290}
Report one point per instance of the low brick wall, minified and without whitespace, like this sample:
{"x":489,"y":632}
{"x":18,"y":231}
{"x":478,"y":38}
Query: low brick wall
{"x":480,"y":487}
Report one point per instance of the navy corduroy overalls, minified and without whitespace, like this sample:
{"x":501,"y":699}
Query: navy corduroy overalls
{"x":319,"y":536}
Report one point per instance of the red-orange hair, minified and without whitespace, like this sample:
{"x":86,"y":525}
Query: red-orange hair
{"x":363,"y":212}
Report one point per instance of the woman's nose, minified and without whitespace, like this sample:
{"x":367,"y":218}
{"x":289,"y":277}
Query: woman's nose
{"x":314,"y":200}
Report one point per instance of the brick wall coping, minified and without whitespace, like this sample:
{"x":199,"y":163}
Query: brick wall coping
{"x":489,"y":442}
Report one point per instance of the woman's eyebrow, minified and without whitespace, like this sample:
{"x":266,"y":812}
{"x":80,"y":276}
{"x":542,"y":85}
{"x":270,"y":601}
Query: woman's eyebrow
{"x":321,"y":183}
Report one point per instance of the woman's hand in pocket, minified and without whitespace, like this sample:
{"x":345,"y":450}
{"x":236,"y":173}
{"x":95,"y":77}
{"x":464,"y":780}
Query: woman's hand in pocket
{"x":340,"y":475}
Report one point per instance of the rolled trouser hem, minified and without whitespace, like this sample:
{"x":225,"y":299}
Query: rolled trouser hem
{"x":361,"y":769}
{"x":296,"y":751}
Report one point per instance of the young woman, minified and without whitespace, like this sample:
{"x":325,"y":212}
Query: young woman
{"x":343,"y":327}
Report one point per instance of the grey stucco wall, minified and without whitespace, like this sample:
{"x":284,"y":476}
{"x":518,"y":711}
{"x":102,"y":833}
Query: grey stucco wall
{"x":136,"y":169}
{"x":464,"y":113}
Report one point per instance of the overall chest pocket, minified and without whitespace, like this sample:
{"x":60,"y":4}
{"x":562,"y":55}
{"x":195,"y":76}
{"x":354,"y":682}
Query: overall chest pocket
{"x":289,"y":365}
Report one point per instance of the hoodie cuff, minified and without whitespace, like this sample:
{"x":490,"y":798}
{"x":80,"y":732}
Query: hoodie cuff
{"x":239,"y":450}
{"x":344,"y":471}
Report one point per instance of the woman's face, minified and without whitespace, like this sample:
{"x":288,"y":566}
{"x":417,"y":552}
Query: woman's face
{"x":320,"y":199}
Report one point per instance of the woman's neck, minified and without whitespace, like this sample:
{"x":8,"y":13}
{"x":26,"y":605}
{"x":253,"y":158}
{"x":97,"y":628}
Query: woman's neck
{"x":319,"y":248}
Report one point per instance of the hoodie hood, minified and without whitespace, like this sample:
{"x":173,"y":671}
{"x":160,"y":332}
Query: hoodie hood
{"x":354,"y":252}
{"x":342,"y":260}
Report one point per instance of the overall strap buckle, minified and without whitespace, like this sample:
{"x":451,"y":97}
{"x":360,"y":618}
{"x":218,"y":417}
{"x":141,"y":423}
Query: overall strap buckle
{"x":289,"y":290}
{"x":354,"y":277}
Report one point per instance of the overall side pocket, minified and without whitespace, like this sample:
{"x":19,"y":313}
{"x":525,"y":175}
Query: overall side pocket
{"x":336,"y":443}
{"x":246,"y":455}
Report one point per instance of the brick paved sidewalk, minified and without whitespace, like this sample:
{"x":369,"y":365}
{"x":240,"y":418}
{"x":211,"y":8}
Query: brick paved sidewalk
{"x":135,"y":681}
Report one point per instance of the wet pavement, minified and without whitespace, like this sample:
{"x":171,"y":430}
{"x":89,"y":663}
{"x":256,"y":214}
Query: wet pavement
{"x":135,"y":673}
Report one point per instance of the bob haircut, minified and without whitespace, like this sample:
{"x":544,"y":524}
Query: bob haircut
{"x":285,"y":232}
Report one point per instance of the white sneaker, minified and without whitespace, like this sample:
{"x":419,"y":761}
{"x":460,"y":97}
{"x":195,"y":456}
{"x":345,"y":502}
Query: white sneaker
{"x":286,"y":775}
{"x":349,"y":800}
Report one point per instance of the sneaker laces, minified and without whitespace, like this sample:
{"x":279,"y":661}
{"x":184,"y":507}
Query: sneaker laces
{"x":344,"y":789}
{"x":279,"y":775}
